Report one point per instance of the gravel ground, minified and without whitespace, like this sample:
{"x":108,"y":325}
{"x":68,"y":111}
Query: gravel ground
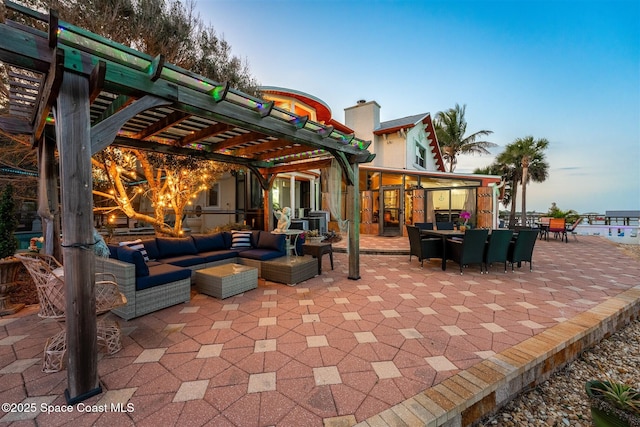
{"x":562,"y":401}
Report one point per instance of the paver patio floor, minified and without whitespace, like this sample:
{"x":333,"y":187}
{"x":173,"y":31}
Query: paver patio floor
{"x":329,"y":350}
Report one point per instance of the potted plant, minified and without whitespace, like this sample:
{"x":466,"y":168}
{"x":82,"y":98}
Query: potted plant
{"x":313,"y":236}
{"x":9,"y":265}
{"x":613,"y":404}
{"x":464,"y":215}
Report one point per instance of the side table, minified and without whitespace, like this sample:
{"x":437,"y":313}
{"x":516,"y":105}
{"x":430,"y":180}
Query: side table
{"x":317,"y":250}
{"x":292,"y":239}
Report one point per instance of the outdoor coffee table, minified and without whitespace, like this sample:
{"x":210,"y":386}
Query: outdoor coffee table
{"x":225,"y":280}
{"x":290,"y":270}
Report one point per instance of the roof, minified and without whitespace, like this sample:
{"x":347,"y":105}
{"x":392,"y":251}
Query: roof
{"x":138,"y":101}
{"x":397,"y":124}
{"x":323,"y":112}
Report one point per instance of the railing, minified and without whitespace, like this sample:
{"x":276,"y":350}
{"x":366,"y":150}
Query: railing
{"x":619,"y":228}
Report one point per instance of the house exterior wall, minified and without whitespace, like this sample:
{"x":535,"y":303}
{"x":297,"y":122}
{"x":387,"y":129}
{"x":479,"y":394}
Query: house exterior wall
{"x":364,"y":118}
{"x":417,"y":137}
{"x":393,"y":149}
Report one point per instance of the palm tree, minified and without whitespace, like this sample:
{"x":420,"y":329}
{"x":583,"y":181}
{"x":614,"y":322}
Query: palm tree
{"x":526,"y":157}
{"x":450,"y":128}
{"x":510,"y":161}
{"x":534,"y":166}
{"x":509,"y":170}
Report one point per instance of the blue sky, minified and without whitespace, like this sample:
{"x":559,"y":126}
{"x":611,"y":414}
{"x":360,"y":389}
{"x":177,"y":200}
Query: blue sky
{"x":567,"y":71}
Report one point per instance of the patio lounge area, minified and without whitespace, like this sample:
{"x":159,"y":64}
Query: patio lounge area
{"x":402,"y":345}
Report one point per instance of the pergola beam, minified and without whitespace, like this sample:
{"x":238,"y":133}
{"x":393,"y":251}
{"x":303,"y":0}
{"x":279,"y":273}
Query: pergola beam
{"x":300,"y":167}
{"x":181,"y":151}
{"x":205,"y":133}
{"x":103,"y":134}
{"x":283,"y":152}
{"x":166,"y":122}
{"x":269,"y":145}
{"x":237,"y":140}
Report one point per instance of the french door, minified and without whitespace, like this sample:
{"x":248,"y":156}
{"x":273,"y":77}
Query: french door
{"x":391,"y":202}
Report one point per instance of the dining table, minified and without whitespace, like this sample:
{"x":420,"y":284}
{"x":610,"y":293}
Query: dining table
{"x":444,"y":235}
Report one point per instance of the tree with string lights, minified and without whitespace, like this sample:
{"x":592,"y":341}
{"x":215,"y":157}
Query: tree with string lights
{"x":169,"y":182}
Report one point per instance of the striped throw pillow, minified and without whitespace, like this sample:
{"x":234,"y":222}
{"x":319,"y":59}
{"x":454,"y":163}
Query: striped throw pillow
{"x":137,"y":245}
{"x":240,"y":239}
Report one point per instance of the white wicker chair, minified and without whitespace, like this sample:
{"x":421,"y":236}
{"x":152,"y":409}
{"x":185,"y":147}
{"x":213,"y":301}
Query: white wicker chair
{"x":48,"y":277}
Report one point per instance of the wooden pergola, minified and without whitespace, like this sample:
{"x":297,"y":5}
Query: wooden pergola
{"x":94,"y":93}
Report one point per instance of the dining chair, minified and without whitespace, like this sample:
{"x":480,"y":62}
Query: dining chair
{"x":543,"y":223}
{"x":444,"y":225}
{"x":497,"y":248}
{"x":423,"y":248}
{"x":469,"y":250}
{"x":557,"y":226}
{"x":424,"y":225}
{"x":521,"y":249}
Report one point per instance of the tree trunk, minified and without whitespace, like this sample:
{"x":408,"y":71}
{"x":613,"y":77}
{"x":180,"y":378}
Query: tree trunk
{"x":525,"y":171}
{"x":512,"y":213}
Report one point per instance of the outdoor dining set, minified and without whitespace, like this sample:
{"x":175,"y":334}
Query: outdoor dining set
{"x":471,"y":246}
{"x":558,"y":227}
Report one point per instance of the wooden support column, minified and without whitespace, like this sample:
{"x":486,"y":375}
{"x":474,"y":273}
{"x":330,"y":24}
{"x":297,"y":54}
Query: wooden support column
{"x":267,"y":202}
{"x":48,"y":205}
{"x":353,"y":215}
{"x":292,"y":195}
{"x":73,"y":132}
{"x":312,"y":194}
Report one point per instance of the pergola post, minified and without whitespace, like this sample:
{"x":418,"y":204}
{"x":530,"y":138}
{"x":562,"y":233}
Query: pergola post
{"x":268,"y":206}
{"x":73,"y":135}
{"x":353,"y":215}
{"x":48,"y":205}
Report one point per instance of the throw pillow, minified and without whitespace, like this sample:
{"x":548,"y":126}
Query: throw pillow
{"x":210,"y":242}
{"x":274,"y":242}
{"x":240,"y":239}
{"x":132,"y":256}
{"x":176,"y":246}
{"x":138,"y":246}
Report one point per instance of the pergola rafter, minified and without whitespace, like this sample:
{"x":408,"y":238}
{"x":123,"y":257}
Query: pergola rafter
{"x":96,"y":93}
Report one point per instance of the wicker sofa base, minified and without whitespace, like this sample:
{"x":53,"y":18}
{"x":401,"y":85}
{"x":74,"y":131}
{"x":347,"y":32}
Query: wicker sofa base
{"x":139,"y":303}
{"x":147,"y":300}
{"x":290,"y":270}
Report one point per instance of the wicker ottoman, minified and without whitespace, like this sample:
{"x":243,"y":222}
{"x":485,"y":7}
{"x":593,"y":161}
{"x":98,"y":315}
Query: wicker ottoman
{"x":290,"y":270}
{"x":226,"y":280}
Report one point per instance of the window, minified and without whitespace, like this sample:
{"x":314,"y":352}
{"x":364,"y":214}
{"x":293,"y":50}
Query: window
{"x":214,"y":195}
{"x":421,"y":154}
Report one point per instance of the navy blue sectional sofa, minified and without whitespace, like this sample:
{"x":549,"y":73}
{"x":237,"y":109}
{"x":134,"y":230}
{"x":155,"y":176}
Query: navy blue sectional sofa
{"x":165,"y":278}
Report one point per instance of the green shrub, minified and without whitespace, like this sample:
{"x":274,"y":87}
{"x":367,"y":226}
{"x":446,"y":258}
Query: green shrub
{"x":8,"y":223}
